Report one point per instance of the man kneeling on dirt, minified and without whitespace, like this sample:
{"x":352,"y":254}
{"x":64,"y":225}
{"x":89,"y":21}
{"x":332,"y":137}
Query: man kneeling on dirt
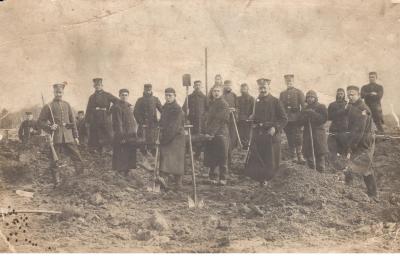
{"x":124,"y":126}
{"x":217,"y":132}
{"x":58,"y":119}
{"x":172,"y":139}
{"x":361,"y":143}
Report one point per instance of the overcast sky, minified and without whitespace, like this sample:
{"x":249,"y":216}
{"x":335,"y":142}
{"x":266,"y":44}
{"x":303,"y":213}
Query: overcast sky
{"x":326,"y":44}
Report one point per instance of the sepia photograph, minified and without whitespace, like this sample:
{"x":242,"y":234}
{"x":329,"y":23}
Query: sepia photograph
{"x":199,"y":126}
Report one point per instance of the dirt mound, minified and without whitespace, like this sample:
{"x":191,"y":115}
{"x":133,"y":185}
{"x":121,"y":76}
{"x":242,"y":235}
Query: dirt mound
{"x":111,"y":212}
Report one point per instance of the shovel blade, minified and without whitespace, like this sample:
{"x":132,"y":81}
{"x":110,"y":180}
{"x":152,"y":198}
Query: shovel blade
{"x":154,"y":189}
{"x":200,"y":204}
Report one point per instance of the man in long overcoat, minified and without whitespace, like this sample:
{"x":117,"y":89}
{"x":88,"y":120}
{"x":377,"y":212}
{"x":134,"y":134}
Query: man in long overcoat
{"x":217,"y":133}
{"x":58,"y":119}
{"x":195,"y":112}
{"x":124,"y":126}
{"x":372,"y":94}
{"x":268,"y":122}
{"x":360,"y":143}
{"x":231,"y":98}
{"x":245,"y":110}
{"x":98,"y":116}
{"x":145,"y":112}
{"x":172,"y":138}
{"x":293,"y":102}
{"x":316,"y":115}
{"x":337,"y":131}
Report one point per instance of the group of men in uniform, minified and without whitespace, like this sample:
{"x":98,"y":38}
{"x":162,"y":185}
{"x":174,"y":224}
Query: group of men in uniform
{"x":224,"y":120}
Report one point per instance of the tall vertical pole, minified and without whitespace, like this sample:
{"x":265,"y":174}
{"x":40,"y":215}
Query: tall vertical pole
{"x":206,"y":79}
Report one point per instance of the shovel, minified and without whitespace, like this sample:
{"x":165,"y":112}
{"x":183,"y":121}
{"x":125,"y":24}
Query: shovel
{"x":193,"y":203}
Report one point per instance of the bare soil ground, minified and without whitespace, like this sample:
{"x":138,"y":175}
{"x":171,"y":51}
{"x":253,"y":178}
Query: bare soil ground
{"x":301,"y":210}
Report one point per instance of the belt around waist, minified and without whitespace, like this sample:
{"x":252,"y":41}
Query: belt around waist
{"x":101,"y":109}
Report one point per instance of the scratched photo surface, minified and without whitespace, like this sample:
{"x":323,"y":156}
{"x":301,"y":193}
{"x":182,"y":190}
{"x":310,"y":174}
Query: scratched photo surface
{"x":129,"y":43}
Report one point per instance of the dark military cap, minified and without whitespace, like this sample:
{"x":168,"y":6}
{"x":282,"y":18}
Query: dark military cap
{"x":123,"y":91}
{"x":227,"y":83}
{"x":218,"y":75}
{"x":148,"y":86}
{"x":352,"y":87}
{"x":373,"y":73}
{"x":340,"y":89}
{"x":311,"y":93}
{"x":97,"y":80}
{"x":287,"y":76}
{"x":28,"y":113}
{"x":170,"y":90}
{"x":81,"y":112}
{"x":263,"y":81}
{"x":197,"y":81}
{"x":58,"y":86}
{"x":244,"y":85}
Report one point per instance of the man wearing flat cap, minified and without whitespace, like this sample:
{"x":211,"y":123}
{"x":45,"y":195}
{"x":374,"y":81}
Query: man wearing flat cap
{"x":372,"y":94}
{"x":245,"y":110}
{"x":98,"y":116}
{"x":269,"y":119}
{"x":231,"y":98}
{"x":27,"y":128}
{"x":124,"y":127}
{"x":315,"y":114}
{"x":172,"y":139}
{"x":145,"y":112}
{"x":218,"y":81}
{"x":57,"y":118}
{"x":360,"y":141}
{"x":293,"y":101}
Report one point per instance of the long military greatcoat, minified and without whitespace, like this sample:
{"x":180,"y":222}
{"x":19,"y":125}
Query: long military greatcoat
{"x":317,"y":115}
{"x":360,"y":138}
{"x":172,"y":139}
{"x":264,"y":155}
{"x":98,"y":116}
{"x":145,"y":112}
{"x":338,"y":128}
{"x":124,"y":126}
{"x":217,"y":121}
{"x":197,"y":108}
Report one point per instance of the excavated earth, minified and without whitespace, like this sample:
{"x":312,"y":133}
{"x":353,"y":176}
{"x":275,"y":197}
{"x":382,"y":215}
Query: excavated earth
{"x":300,"y":210}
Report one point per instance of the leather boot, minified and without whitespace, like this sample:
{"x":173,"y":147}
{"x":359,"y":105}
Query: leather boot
{"x":292,"y":154}
{"x":178,"y":183}
{"x":348,"y":177}
{"x":371,"y":186}
{"x":300,"y":158}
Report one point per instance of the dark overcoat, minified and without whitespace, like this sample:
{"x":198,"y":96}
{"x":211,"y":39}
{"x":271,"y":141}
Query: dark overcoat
{"x":145,"y":112}
{"x":264,"y":155}
{"x":197,"y":108}
{"x":217,"y":120}
{"x":124,"y":126}
{"x":98,"y":116}
{"x":172,"y":139}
